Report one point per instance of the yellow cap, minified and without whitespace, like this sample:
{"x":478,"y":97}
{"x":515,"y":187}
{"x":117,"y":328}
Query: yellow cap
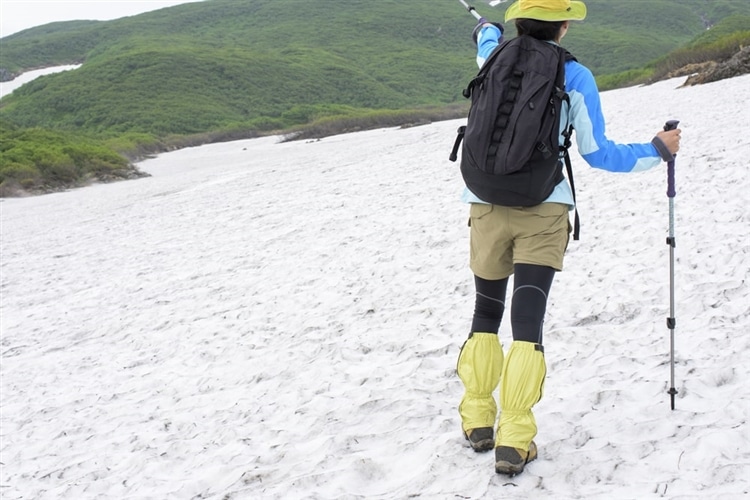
{"x":547,"y":10}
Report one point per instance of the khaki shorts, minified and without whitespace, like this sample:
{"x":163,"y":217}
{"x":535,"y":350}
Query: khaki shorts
{"x":504,"y":236}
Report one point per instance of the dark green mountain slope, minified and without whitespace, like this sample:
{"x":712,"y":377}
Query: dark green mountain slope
{"x":223,"y":69}
{"x":271,"y":64}
{"x":227,"y":63}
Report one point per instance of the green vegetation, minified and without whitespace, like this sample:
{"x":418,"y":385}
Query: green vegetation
{"x":718,"y":44}
{"x":345,"y":123}
{"x":40,"y":160}
{"x":223,"y":69}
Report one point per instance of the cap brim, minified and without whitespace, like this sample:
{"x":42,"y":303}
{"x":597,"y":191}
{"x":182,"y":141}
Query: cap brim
{"x":576,"y":12}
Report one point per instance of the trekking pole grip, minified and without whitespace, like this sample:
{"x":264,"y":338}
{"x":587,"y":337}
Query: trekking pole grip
{"x":671,"y":125}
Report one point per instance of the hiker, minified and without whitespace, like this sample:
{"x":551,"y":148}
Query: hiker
{"x":529,"y":243}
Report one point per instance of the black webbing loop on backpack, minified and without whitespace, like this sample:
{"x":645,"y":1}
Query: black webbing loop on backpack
{"x":503,"y":115}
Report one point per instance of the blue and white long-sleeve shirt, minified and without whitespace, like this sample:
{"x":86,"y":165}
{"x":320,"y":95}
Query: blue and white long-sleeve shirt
{"x":587,"y":120}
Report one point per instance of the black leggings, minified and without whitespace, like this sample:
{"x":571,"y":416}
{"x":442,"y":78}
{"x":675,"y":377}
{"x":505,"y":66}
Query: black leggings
{"x":531,"y":285}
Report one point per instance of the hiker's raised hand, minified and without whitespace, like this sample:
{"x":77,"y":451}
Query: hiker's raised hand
{"x":475,"y":32}
{"x":481,"y":23}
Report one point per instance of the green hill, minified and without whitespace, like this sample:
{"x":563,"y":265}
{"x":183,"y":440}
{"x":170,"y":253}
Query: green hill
{"x":226,"y":67}
{"x":42,"y":160}
{"x":266,"y":64}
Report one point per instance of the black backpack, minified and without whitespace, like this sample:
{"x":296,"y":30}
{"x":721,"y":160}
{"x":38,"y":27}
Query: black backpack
{"x":511,"y":153}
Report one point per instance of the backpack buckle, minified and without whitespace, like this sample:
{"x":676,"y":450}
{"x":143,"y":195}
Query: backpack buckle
{"x":542,"y":148}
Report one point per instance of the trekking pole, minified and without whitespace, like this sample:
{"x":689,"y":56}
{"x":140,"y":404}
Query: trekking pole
{"x":471,"y":10}
{"x":671,"y":321}
{"x":474,"y":12}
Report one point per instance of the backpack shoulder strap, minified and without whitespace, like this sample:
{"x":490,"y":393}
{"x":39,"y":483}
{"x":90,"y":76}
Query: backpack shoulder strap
{"x":567,"y":133}
{"x":482,"y":74}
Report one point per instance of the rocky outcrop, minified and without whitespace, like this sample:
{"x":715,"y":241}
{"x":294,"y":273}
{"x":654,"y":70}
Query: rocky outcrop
{"x":739,"y":64}
{"x":5,"y":75}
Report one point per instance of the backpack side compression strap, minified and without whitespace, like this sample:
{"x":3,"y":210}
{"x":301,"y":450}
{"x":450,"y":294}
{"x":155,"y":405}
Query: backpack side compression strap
{"x":577,"y":220}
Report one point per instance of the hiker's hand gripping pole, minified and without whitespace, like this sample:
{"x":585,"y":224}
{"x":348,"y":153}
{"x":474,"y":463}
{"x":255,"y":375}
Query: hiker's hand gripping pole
{"x":671,"y":321}
{"x":471,"y":10}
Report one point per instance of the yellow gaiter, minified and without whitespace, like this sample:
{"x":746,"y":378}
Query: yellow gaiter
{"x":480,"y":364}
{"x":523,"y":385}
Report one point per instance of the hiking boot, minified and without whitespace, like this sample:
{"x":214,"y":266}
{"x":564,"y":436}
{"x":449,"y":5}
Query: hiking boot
{"x":481,"y":438}
{"x":511,"y":461}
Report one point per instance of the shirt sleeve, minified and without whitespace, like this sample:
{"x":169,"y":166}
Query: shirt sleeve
{"x":488,"y":39}
{"x":588,"y":121}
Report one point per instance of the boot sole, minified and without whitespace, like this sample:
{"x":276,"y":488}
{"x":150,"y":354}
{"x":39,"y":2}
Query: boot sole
{"x":484,"y":445}
{"x":481,"y":445}
{"x":510,"y":468}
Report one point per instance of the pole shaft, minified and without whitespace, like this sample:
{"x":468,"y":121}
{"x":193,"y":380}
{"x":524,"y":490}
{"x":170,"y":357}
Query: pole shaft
{"x":671,"y":321}
{"x":471,"y":9}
